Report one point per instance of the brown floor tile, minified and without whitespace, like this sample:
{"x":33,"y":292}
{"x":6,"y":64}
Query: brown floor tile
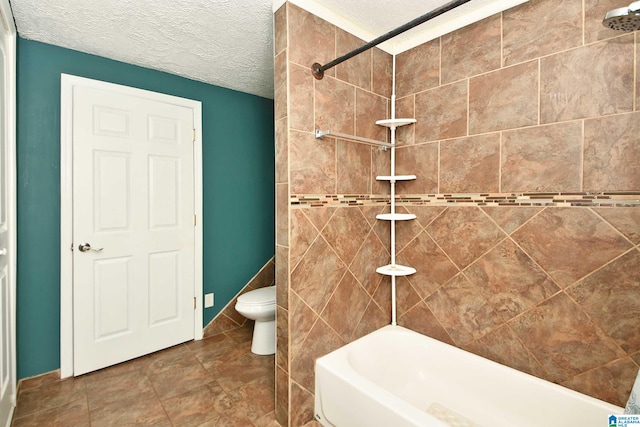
{"x":210,"y":423}
{"x":210,"y":347}
{"x":175,"y":371}
{"x":165,"y":359}
{"x":267,"y":420}
{"x":231,"y":421}
{"x":39,"y":380}
{"x":184,"y":377}
{"x":234,"y":373}
{"x":229,"y":354}
{"x":140,"y":412}
{"x":243,"y":334}
{"x":200,"y":405}
{"x":74,"y":414}
{"x":172,"y":387}
{"x":126,"y":394}
{"x":123,"y":387}
{"x":128,"y":367}
{"x":256,"y":398}
{"x":49,"y":396}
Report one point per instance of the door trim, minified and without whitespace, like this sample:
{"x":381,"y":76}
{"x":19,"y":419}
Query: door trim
{"x":67,"y":83}
{"x":10,"y":34}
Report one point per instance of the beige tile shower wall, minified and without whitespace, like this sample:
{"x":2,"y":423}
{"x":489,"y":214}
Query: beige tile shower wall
{"x":317,"y":274}
{"x":540,"y":98}
{"x":551,"y":291}
{"x":281,"y":99}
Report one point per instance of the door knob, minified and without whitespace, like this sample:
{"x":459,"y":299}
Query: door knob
{"x":84,"y":247}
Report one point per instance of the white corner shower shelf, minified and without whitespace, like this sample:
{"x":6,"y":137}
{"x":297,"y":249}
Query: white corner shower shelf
{"x":393,"y":179}
{"x":396,"y":217}
{"x":395,"y":270}
{"x":394,"y":123}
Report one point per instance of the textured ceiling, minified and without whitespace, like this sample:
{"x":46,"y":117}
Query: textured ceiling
{"x":227,"y":43}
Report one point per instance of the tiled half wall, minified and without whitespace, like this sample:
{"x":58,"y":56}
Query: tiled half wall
{"x":527,"y":238}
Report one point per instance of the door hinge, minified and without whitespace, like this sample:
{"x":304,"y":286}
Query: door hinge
{"x":194,"y":221}
{"x":194,"y":135}
{"x":194,"y":303}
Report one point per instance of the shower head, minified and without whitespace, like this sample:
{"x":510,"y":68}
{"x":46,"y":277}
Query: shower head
{"x":624,"y":18}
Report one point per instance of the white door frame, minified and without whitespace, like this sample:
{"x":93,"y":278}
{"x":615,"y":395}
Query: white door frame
{"x":66,"y":204}
{"x":7,"y":26}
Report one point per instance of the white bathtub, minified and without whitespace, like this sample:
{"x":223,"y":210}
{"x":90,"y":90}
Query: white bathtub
{"x":395,"y":377}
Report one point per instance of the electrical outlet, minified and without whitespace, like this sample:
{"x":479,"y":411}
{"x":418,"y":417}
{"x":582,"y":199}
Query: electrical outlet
{"x":208,"y":300}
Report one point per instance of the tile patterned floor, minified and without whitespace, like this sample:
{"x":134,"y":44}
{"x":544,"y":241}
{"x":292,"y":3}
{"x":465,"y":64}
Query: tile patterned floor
{"x":213,"y":382}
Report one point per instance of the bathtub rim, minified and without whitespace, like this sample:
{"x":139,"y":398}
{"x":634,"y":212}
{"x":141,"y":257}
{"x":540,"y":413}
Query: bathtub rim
{"x":341,"y":367}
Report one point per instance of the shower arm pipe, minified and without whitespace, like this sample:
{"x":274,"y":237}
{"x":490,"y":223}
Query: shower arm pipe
{"x":322,"y":133}
{"x":318,"y":70}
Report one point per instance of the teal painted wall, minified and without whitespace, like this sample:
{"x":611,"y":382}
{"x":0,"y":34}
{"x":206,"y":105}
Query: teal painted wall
{"x":238,"y":187}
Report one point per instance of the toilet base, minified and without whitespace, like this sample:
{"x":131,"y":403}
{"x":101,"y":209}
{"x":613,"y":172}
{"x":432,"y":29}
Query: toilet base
{"x":264,"y":337}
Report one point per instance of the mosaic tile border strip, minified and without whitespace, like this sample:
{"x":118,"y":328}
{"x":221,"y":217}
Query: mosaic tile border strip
{"x":599,"y":199}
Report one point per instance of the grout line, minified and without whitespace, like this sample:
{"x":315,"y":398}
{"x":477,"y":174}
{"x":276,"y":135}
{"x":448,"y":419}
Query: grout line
{"x":500,"y":161}
{"x":440,"y":61}
{"x":539,"y":82}
{"x":582,"y":148}
{"x":501,"y":40}
{"x":583,"y":13}
{"x":468,"y":106}
{"x":438,"y":165}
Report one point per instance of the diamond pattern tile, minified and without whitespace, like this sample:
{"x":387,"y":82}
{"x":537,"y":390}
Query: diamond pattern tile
{"x":465,"y":234}
{"x":625,"y":220}
{"x":345,"y":232}
{"x":570,"y":243}
{"x":614,"y":304}
{"x":346,"y":307}
{"x":460,"y":307}
{"x":302,"y":235}
{"x":317,"y":275}
{"x":433,"y":265}
{"x":510,"y":280}
{"x":563,"y":338}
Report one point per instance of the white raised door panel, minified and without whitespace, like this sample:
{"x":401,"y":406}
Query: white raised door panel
{"x":164,"y":271}
{"x":133,"y":203}
{"x":113,"y":287}
{"x":111,"y":174}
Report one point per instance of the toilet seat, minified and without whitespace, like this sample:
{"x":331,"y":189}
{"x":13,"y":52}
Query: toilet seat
{"x":261,"y":296}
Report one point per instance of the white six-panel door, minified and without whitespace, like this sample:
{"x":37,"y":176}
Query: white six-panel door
{"x":5,"y":292}
{"x":6,"y":310}
{"x":133,"y":226}
{"x":7,"y":215}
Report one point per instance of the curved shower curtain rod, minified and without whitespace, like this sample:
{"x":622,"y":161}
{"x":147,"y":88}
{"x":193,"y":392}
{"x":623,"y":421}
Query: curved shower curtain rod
{"x":318,"y":70}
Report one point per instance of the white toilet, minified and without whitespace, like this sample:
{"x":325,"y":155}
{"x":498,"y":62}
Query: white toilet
{"x":260,"y":305}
